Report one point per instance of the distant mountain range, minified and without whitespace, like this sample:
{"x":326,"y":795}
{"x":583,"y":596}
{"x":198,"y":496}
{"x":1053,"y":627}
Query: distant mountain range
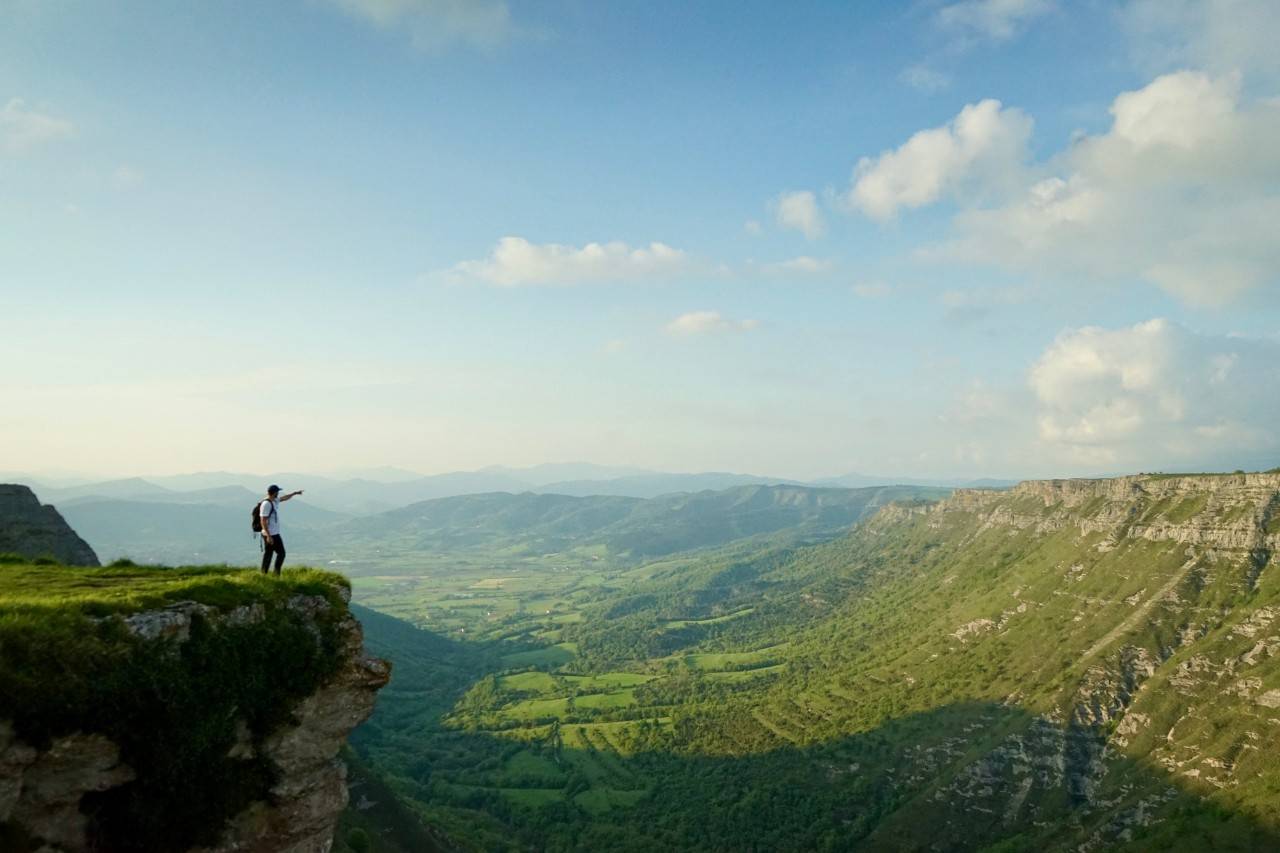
{"x":150,"y":523}
{"x":370,"y":491}
{"x":616,"y":526}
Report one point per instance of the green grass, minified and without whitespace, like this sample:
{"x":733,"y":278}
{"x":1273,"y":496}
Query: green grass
{"x":126,"y":589}
{"x":714,"y":620}
{"x":1188,"y":508}
{"x":720,"y":661}
{"x":549,"y":657}
{"x":736,"y":676}
{"x":535,"y":682}
{"x":528,"y":763}
{"x":607,"y":680}
{"x":618,"y":699}
{"x":535,"y":709}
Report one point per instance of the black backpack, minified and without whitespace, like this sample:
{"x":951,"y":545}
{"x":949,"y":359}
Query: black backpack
{"x":257,"y":518}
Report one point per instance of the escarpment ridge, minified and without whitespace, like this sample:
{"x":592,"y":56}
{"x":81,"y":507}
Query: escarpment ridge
{"x":1135,"y":619}
{"x":1234,"y":511}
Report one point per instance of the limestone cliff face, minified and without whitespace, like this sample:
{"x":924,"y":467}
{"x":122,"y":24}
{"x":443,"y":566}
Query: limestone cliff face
{"x":42,"y":790}
{"x":33,"y":531}
{"x":1152,"y":605}
{"x":1230,"y":511}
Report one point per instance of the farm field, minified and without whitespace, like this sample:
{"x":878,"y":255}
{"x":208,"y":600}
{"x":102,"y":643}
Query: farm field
{"x":512,"y":717}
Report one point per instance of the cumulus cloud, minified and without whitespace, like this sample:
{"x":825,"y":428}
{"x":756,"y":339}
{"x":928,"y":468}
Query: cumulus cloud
{"x":707,"y":322}
{"x":516,"y":262}
{"x":1180,"y":191}
{"x":437,"y":24}
{"x":798,"y":211}
{"x":1156,"y":394}
{"x":22,"y":128}
{"x":983,"y":147}
{"x":994,"y":20}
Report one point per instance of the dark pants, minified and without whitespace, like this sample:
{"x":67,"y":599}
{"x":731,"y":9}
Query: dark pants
{"x":275,"y":546}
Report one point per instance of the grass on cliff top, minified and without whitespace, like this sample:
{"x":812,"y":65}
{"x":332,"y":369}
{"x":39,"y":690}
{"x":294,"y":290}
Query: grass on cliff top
{"x":122,"y":588}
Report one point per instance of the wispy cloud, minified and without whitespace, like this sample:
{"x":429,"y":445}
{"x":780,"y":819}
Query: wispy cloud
{"x":1218,"y":36}
{"x":922,"y":78}
{"x":438,"y":24}
{"x":707,"y":322}
{"x":23,"y":128}
{"x":993,"y":20}
{"x":516,"y":262}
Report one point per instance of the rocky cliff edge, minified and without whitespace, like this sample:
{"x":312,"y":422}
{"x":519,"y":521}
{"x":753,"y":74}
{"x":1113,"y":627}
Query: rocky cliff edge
{"x":52,"y":793}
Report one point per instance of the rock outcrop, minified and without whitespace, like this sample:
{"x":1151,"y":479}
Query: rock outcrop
{"x":31,"y":530}
{"x":42,"y":789}
{"x":312,"y":791}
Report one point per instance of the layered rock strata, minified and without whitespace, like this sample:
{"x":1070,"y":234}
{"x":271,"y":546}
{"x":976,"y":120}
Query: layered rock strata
{"x":1230,"y":511}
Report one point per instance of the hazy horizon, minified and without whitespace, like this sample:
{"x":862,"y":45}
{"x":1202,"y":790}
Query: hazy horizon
{"x":937,"y":240}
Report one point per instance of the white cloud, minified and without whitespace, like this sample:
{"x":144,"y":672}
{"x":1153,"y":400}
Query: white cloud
{"x":922,"y":78}
{"x":1156,"y":394}
{"x":803,"y":264}
{"x":996,"y":20}
{"x":22,"y":128}
{"x":1181,"y":191}
{"x":1218,"y":36}
{"x":1181,"y":110}
{"x":982,"y":148}
{"x":515,"y":261}
{"x":706,"y":322}
{"x":437,"y":24}
{"x":798,"y":211}
{"x":752,"y":227}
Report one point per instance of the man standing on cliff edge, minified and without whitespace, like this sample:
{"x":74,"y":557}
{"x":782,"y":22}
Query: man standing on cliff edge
{"x":271,"y":538}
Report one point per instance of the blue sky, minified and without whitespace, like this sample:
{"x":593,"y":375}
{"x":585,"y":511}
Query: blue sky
{"x":978,"y":238}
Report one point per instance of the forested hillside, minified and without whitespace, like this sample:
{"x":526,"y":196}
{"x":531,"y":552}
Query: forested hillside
{"x":1069,"y":665}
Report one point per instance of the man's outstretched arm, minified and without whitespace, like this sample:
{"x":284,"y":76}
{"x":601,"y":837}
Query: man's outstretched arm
{"x":291,"y":494}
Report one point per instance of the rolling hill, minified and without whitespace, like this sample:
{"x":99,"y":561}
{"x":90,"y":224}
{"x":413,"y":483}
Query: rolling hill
{"x":630,"y":528}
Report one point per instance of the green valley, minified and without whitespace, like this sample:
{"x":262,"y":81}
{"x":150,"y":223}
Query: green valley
{"x":1068,"y":665}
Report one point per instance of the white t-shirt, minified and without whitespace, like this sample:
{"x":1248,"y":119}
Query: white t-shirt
{"x":270,"y":516}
